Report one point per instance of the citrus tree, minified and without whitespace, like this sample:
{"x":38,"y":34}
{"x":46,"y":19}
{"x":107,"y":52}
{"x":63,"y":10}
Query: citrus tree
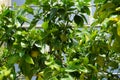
{"x":63,"y":47}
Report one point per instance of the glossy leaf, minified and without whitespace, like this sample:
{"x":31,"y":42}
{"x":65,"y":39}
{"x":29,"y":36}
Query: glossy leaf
{"x":78,"y":20}
{"x":29,"y":59}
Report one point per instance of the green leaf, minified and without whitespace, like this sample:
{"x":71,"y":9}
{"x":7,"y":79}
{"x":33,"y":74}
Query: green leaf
{"x":85,"y":9}
{"x":93,"y":67}
{"x":100,"y":61}
{"x":21,"y":53}
{"x":107,"y":6}
{"x":82,"y":76}
{"x":7,"y":72}
{"x":45,"y":25}
{"x":83,"y":16}
{"x":87,"y":1}
{"x":67,"y":77}
{"x":33,"y":23}
{"x":78,"y":20}
{"x":99,"y":1}
{"x":117,"y":9}
{"x":118,"y":28}
{"x":29,"y":10}
{"x":22,"y":19}
{"x":53,"y":13}
{"x":86,"y":60}
{"x":47,"y":73}
{"x":29,"y":59}
{"x":74,"y":67}
{"x":114,"y":64}
{"x":26,"y":68}
{"x":71,"y":68}
{"x":116,"y":45}
{"x":61,"y":11}
{"x":35,"y":2}
{"x":13,"y":59}
{"x":23,"y":45}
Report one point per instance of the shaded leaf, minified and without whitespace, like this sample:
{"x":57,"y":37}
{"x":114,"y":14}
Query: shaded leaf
{"x":93,"y":67}
{"x":114,"y":64}
{"x":85,"y":9}
{"x":78,"y":20}
{"x":82,"y":76}
{"x":13,"y":59}
{"x":100,"y":61}
{"x":53,"y":13}
{"x":84,"y":18}
{"x":33,"y":23}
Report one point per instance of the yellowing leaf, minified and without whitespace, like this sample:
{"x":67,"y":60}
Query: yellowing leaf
{"x":7,"y":72}
{"x":118,"y":28}
{"x":87,"y":38}
{"x":116,"y":19}
{"x":117,"y":9}
{"x":80,"y":42}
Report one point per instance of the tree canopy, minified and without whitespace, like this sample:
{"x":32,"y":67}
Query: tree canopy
{"x":63,"y":47}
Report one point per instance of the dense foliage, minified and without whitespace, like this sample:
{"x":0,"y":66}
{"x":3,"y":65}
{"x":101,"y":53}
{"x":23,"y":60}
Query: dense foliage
{"x":63,"y":47}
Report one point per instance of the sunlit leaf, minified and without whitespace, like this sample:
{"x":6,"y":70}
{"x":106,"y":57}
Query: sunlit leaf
{"x":35,"y":2}
{"x":117,"y":9}
{"x":45,"y":25}
{"x":68,"y":77}
{"x":118,"y":28}
{"x":85,"y":60}
{"x":29,"y":59}
{"x":23,"y":45}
